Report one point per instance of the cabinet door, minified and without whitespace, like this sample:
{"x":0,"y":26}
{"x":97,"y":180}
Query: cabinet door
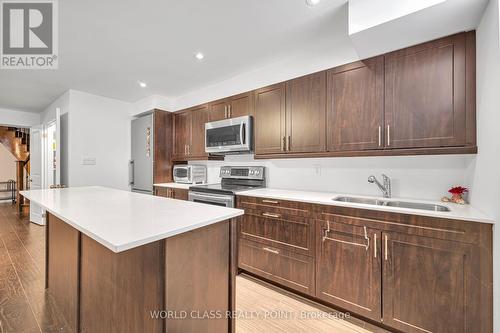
{"x":241,"y":105}
{"x":199,"y":116}
{"x":218,"y":110}
{"x":426,"y":284}
{"x":348,"y":269}
{"x":306,"y":113}
{"x":425,"y":95}
{"x":270,"y":119}
{"x":355,"y":109}
{"x":182,"y":133}
{"x":161,"y":192}
{"x":179,"y":193}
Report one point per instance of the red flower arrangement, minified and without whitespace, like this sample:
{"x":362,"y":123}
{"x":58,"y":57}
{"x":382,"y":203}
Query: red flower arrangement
{"x":458,"y":190}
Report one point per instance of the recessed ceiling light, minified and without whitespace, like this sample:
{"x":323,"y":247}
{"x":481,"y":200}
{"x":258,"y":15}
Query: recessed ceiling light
{"x":142,"y":84}
{"x":199,"y":55}
{"x":312,"y":3}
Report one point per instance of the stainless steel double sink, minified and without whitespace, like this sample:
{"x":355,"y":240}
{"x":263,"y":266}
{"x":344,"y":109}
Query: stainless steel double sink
{"x":394,"y":203}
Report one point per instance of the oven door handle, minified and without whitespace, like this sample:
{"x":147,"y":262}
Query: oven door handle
{"x":213,"y":197}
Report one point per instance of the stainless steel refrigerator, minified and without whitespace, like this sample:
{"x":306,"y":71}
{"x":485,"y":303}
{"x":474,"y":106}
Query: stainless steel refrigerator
{"x":141,"y":164}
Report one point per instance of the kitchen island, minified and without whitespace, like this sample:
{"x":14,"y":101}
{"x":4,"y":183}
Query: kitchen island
{"x":118,"y":261}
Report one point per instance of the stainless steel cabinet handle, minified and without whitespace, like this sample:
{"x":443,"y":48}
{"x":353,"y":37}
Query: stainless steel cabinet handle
{"x":367,"y":239}
{"x":271,"y":215}
{"x":271,"y":201}
{"x":271,"y":250}
{"x":225,"y":111}
{"x":388,"y":135}
{"x":229,"y":110}
{"x":375,"y":245}
{"x":386,"y":248}
{"x":288,"y":143}
{"x":380,"y":136}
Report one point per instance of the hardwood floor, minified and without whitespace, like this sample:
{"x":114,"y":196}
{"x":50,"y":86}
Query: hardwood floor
{"x":26,"y":307}
{"x":262,"y":307}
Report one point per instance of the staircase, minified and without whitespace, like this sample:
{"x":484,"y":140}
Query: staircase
{"x":17,"y":141}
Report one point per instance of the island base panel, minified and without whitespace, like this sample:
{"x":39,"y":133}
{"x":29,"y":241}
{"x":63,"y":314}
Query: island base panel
{"x":99,"y":290}
{"x":198,"y":279}
{"x":118,"y":290}
{"x":62,"y":267}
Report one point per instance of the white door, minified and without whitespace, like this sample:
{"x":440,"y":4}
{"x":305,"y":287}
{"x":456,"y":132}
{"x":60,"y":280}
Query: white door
{"x":36,"y":212}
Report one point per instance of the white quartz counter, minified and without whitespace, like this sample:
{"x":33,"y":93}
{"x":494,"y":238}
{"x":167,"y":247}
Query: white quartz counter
{"x":121,"y":220}
{"x":174,"y":185}
{"x":457,"y":212}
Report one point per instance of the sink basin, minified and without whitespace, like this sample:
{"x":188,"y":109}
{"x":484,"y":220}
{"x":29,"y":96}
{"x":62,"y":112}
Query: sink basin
{"x":395,"y":203}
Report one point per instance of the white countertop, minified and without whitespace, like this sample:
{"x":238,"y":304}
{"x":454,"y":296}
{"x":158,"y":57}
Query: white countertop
{"x":121,"y":220}
{"x":174,"y":185}
{"x":457,"y":212}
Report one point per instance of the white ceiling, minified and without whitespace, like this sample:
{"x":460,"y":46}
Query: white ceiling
{"x":106,"y":47}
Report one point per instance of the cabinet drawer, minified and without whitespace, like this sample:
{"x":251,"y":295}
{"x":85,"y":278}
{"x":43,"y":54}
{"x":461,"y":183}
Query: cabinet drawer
{"x":281,"y":266}
{"x":294,"y":234}
{"x":283,"y":207}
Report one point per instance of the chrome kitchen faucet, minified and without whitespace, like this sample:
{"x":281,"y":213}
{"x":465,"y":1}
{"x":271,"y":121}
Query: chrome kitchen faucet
{"x":385,"y":188}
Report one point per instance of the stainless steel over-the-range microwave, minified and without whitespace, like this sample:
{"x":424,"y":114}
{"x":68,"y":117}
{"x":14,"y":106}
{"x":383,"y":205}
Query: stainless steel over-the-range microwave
{"x":229,"y":136}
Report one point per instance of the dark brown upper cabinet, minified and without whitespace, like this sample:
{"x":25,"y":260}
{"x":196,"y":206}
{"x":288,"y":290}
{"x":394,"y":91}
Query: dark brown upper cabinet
{"x":182,"y":134}
{"x":290,"y":117}
{"x":355,"y":106}
{"x":189,"y":133}
{"x":270,"y":119}
{"x":425,"y":94}
{"x":232,"y":107}
{"x":199,"y":116}
{"x":306,"y":114}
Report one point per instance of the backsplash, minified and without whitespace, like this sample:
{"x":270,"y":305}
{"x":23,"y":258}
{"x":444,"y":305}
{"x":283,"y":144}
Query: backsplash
{"x":418,"y":177}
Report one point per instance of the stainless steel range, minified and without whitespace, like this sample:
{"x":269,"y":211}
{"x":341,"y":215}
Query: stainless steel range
{"x":234,"y":180}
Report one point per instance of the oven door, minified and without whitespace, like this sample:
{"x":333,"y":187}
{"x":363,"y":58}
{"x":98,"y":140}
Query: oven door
{"x":229,"y":135}
{"x":212,"y":199}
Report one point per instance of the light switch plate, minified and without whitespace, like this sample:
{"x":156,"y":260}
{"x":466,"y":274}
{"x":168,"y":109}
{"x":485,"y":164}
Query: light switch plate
{"x":88,"y":160}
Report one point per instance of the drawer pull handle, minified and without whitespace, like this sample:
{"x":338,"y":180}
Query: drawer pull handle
{"x":271,"y":201}
{"x":271,"y":250}
{"x":375,"y":245}
{"x":271,"y":215}
{"x":327,"y":231}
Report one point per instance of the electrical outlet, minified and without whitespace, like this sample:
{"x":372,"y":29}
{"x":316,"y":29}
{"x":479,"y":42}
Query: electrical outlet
{"x":317,"y":169}
{"x":88,"y":160}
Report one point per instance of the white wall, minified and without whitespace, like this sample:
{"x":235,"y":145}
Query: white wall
{"x":49,"y":113}
{"x":420,"y":177}
{"x":18,"y":118}
{"x":99,"y":128}
{"x":7,"y":164}
{"x":484,"y":173}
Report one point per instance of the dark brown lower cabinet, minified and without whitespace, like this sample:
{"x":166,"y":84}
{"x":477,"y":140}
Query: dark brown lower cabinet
{"x":348,"y":268}
{"x":287,"y":268}
{"x":427,"y":284}
{"x":173,"y":193}
{"x":409,"y":273}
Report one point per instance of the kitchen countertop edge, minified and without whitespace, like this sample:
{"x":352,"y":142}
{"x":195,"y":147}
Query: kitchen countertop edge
{"x":464,"y":213}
